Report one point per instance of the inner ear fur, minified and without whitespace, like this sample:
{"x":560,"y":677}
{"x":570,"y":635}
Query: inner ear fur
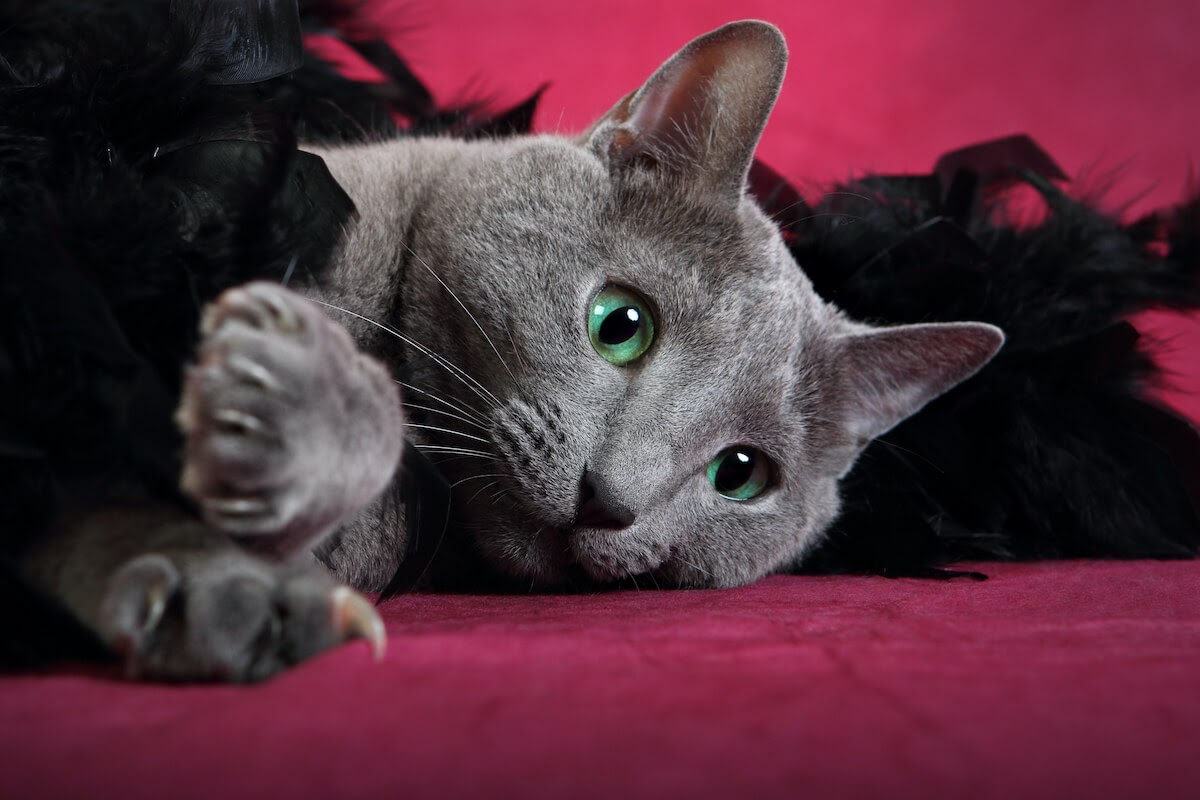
{"x":889,"y":374}
{"x":699,"y":117}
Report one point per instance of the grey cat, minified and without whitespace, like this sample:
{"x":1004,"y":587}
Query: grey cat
{"x":604,"y":343}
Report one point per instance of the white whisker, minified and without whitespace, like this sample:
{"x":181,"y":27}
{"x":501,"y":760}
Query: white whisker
{"x":462,"y":451}
{"x":445,"y":414}
{"x":850,"y":217}
{"x":477,"y":477}
{"x":439,"y":460}
{"x":450,"y":367}
{"x":450,"y":431}
{"x":482,"y":488}
{"x":696,"y":567}
{"x":463,"y":306}
{"x":464,"y":409}
{"x":870,"y":200}
{"x":516,"y":350}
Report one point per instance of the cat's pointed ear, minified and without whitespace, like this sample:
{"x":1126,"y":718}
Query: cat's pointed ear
{"x":889,"y":374}
{"x":699,"y":117}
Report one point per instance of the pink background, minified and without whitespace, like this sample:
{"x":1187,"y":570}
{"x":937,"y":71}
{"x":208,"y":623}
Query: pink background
{"x":1110,"y":89}
{"x":1048,"y":680}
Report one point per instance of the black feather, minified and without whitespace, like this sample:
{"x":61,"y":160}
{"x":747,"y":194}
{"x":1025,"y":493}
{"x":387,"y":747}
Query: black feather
{"x":149,"y":160}
{"x":427,"y":516}
{"x":35,"y":630}
{"x":240,"y":41}
{"x":1057,"y":448}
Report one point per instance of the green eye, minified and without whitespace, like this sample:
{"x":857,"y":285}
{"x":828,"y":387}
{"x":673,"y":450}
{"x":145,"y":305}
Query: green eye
{"x":620,"y":325}
{"x":739,"y":473}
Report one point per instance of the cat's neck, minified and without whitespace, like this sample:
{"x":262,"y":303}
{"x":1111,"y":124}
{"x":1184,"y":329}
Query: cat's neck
{"x":386,"y":181}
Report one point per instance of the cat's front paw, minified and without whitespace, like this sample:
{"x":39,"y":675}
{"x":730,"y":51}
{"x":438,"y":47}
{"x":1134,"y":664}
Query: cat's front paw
{"x":226,"y":616}
{"x":290,"y":429}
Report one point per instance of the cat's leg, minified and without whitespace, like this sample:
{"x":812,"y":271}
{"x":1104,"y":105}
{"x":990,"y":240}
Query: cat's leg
{"x":176,"y":600}
{"x":291,"y":431}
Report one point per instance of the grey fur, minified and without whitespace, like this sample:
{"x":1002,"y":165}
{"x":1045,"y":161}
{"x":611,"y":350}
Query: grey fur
{"x":175,"y":600}
{"x":525,"y":233}
{"x":470,"y":271}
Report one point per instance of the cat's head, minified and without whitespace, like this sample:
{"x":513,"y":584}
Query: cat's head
{"x":662,"y":393}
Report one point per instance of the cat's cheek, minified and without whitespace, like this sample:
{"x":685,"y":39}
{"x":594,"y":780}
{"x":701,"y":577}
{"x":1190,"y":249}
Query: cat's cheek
{"x":737,"y":543}
{"x":823,"y":509}
{"x":536,"y":554}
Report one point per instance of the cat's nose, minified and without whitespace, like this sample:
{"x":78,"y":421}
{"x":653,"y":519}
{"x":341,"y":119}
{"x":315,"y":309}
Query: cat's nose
{"x":598,"y":508}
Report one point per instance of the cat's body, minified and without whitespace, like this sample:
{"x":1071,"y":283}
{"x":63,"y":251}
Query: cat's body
{"x":603,"y":342}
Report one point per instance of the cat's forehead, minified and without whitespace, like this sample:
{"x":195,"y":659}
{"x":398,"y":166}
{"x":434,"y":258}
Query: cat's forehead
{"x":563,"y":188}
{"x":541,"y":174}
{"x":719,"y":276}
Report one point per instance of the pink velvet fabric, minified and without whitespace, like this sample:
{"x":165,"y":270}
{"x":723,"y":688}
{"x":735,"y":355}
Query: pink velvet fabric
{"x":1076,"y":678}
{"x":1073,"y":679}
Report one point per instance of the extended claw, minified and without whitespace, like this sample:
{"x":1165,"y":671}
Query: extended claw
{"x":252,"y":372}
{"x":283,"y":316}
{"x":258,"y":305}
{"x":240,"y":422}
{"x":235,"y":506}
{"x":355,"y":618}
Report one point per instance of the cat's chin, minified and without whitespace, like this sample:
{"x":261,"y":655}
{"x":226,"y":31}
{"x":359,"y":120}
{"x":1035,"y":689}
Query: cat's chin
{"x":609,"y":556}
{"x":560,"y":558}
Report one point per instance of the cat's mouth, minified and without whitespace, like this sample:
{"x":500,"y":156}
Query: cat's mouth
{"x":579,"y":557}
{"x":609,"y":556}
{"x":526,"y":534}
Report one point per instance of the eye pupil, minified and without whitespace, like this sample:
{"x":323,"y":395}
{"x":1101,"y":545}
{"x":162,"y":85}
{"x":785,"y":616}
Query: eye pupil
{"x":739,"y":473}
{"x":734,"y":471}
{"x":620,"y":325}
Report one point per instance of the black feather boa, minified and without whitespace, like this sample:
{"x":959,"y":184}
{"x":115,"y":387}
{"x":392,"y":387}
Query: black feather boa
{"x":1056,"y":449}
{"x":149,"y":159}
